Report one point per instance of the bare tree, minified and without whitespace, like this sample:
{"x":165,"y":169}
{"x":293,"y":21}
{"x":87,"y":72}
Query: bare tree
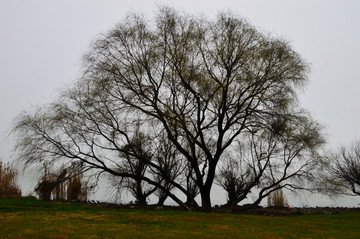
{"x":344,"y":175}
{"x":159,"y":161}
{"x":234,"y":180}
{"x":171,"y":166}
{"x":205,"y":83}
{"x":191,"y":186}
{"x":283,"y":156}
{"x":136,"y":163}
{"x":89,"y":129}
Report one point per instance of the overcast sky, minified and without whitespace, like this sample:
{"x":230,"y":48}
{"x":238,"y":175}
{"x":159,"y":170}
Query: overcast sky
{"x":42,"y":42}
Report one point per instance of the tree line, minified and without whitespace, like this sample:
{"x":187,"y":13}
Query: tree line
{"x":172,"y":106}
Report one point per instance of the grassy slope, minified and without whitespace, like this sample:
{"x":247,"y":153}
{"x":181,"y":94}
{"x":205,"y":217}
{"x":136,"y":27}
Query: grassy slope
{"x":30,"y":218}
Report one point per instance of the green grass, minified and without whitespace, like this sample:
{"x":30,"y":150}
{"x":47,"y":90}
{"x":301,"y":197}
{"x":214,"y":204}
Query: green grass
{"x":30,"y":218}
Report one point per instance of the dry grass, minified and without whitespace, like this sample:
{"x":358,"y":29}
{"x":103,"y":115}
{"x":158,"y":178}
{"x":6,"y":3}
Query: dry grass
{"x":277,"y":199}
{"x":8,"y":181}
{"x":29,"y":218}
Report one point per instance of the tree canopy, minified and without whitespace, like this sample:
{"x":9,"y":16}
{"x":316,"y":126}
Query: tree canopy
{"x":169,"y":104}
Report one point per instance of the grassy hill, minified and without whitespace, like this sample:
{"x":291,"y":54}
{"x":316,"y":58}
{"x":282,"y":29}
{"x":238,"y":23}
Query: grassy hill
{"x":29,"y":218}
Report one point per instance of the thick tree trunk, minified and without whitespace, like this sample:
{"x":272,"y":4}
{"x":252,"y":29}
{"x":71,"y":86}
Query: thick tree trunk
{"x":162,"y":200}
{"x":206,"y":188}
{"x":205,"y":199}
{"x":189,"y":201}
{"x":141,"y":198}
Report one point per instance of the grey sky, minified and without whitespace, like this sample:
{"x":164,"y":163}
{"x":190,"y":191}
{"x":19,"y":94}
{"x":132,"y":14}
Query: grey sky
{"x":42,"y":41}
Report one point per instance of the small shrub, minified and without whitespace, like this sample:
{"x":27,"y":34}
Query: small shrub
{"x":77,"y":189}
{"x":62,"y":187}
{"x":277,"y":199}
{"x":46,"y":185}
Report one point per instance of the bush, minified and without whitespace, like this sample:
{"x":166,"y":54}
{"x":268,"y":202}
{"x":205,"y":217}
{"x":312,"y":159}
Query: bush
{"x":77,"y":189}
{"x":46,"y":185}
{"x":62,"y":186}
{"x":277,"y":199}
{"x":8,"y":181}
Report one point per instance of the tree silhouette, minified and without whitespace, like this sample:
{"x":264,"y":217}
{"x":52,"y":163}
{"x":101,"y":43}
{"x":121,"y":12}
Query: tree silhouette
{"x":205,"y":84}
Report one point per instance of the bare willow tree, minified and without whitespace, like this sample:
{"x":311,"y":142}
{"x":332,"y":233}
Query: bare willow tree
{"x":191,"y":186}
{"x":234,"y":179}
{"x":283,"y":156}
{"x":141,"y":154}
{"x":205,"y":83}
{"x":171,"y":165}
{"x":343,"y":176}
{"x":136,"y":157}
